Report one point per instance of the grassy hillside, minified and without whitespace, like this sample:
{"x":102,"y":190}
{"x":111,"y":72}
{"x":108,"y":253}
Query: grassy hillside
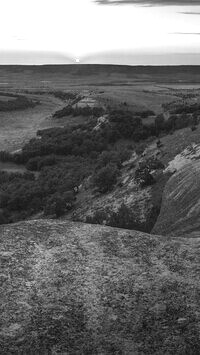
{"x":70,"y":288}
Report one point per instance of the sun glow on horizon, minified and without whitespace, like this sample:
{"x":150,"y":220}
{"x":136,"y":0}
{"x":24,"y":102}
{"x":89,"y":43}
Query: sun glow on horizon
{"x":91,"y":29}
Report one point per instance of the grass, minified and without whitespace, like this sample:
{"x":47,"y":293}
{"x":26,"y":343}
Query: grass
{"x":80,"y":288}
{"x":16,"y":128}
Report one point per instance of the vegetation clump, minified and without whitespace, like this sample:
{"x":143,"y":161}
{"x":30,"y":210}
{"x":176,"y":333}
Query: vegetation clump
{"x":144,"y":177}
{"x":79,"y":111}
{"x":65,"y":95}
{"x":18,"y":103}
{"x":105,"y":178}
{"x":113,"y":157}
{"x":22,"y":195}
{"x":143,"y":174}
{"x":58,"y":204}
{"x":63,"y":157}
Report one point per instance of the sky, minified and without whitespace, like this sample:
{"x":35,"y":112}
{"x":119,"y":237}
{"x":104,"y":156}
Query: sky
{"x":100,"y":31}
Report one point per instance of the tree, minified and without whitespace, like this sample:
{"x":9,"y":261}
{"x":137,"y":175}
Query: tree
{"x":125,"y":122}
{"x":123,"y":218}
{"x":58,"y":204}
{"x":106,"y":177}
{"x":3,"y":219}
{"x":159,"y":123}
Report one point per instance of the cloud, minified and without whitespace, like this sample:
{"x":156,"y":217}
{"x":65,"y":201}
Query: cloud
{"x":11,"y":57}
{"x":150,"y":2}
{"x":190,"y":13}
{"x":147,"y":58}
{"x":186,"y":33}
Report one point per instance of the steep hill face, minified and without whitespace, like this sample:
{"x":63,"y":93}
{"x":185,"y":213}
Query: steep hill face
{"x":180,"y":211}
{"x":73,"y":288}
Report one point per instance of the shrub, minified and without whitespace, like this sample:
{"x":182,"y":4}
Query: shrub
{"x":3,"y":219}
{"x":123,"y":218}
{"x":5,"y":156}
{"x":108,"y":157}
{"x":37,"y":163}
{"x":32,"y":164}
{"x":106,"y":177}
{"x":143,"y":177}
{"x":145,"y":114}
{"x":79,"y":111}
{"x":65,"y":111}
{"x":193,"y":128}
{"x":113,"y":157}
{"x":57,"y":204}
{"x":98,"y":218}
{"x":159,"y":123}
{"x":152,"y":164}
{"x":64,"y":95}
{"x":19,"y":103}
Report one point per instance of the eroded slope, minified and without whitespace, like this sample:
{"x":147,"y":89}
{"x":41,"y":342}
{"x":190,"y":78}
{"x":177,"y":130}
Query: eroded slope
{"x":180,"y":211}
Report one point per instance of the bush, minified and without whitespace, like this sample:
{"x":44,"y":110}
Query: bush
{"x":123,"y":218}
{"x":145,"y":114}
{"x":159,"y":123}
{"x":64,"y":95}
{"x":3,"y":219}
{"x":65,"y":111}
{"x":5,"y":156}
{"x":58,"y":204}
{"x":98,"y":218}
{"x":152,"y":164}
{"x":32,"y":164}
{"x":113,"y":157}
{"x":19,"y":103}
{"x":193,"y":128}
{"x":37,"y":163}
{"x":143,"y":177}
{"x":106,"y":177}
{"x":79,"y":111}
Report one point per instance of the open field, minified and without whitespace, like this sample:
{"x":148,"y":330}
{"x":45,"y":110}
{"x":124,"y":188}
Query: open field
{"x":61,"y":76}
{"x":6,"y":98}
{"x":141,"y":88}
{"x":16,"y":128}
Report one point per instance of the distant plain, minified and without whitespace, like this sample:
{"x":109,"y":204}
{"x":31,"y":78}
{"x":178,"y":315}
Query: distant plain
{"x":141,"y":88}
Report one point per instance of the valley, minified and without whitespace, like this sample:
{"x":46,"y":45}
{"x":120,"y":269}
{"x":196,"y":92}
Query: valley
{"x":153,"y":95}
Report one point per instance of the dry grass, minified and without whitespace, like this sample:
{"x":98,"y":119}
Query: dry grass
{"x":80,"y":289}
{"x":16,"y":128}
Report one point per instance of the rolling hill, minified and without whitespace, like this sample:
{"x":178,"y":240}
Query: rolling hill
{"x":73,"y":288}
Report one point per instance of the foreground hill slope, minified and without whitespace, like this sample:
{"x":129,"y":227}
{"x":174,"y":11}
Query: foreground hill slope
{"x":73,"y":288}
{"x":180,"y":211}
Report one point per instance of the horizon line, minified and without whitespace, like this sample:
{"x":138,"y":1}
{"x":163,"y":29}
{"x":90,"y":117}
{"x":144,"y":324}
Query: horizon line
{"x":99,"y":64}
